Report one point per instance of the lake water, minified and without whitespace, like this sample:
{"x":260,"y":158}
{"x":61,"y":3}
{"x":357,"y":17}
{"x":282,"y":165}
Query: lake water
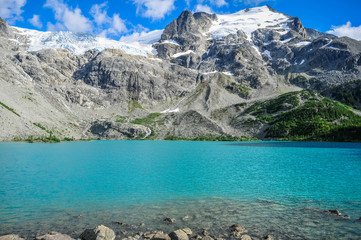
{"x":278,"y":188}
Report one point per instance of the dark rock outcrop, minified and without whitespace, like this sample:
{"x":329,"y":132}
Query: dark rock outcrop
{"x":169,"y":220}
{"x":114,"y":130}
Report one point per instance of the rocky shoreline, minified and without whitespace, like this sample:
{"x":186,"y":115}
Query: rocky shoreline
{"x":125,"y":231}
{"x":102,"y":232}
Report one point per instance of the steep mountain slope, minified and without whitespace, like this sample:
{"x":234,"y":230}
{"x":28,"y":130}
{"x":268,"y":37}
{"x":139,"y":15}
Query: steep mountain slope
{"x":196,"y":78}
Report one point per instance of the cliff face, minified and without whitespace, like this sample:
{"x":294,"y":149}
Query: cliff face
{"x":197,"y":80}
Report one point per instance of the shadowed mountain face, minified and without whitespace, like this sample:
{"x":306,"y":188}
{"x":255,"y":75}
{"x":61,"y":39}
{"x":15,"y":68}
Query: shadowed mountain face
{"x":199,"y":79}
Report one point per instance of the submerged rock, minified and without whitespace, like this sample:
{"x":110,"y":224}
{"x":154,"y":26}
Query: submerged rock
{"x":54,"y":236}
{"x":334,"y":212}
{"x":269,"y":237}
{"x":207,"y":238}
{"x":169,"y":220}
{"x":99,"y":233}
{"x":237,"y":230}
{"x":178,"y":235}
{"x":11,"y":236}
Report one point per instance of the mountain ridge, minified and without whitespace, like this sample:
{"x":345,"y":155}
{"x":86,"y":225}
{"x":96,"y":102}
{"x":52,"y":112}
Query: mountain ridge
{"x":201,"y":65}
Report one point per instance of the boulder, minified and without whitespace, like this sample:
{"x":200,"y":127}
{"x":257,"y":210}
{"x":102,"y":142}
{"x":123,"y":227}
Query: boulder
{"x":99,"y":233}
{"x":269,"y":237}
{"x":188,"y":231}
{"x":54,"y":236}
{"x":11,"y":237}
{"x":160,"y":236}
{"x":196,"y":237}
{"x":178,"y":235}
{"x":246,"y":237}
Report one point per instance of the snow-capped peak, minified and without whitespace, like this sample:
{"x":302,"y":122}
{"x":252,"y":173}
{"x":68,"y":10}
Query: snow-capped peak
{"x":79,"y":43}
{"x":249,"y":20}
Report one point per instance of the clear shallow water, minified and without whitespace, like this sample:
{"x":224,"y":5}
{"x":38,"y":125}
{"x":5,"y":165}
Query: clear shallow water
{"x":281,"y":188}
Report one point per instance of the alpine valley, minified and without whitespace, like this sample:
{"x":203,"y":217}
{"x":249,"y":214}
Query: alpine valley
{"x":256,"y":73}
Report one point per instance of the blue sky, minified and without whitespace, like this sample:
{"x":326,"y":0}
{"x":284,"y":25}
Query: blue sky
{"x":116,"y":18}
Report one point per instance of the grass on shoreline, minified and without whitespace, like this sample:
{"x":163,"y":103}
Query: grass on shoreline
{"x":225,"y":138}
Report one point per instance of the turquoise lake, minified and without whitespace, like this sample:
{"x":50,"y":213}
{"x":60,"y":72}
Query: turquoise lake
{"x":279,"y":188}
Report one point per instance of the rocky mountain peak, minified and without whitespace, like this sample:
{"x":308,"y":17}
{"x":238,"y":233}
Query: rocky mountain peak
{"x":188,"y":28}
{"x":296,"y":25}
{"x":207,"y":70}
{"x":271,"y":8}
{"x":4,"y":28}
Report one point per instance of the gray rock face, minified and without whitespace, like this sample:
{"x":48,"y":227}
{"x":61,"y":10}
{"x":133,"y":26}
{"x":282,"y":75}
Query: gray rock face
{"x":193,"y":124}
{"x":54,"y":236}
{"x":297,"y":26}
{"x":113,"y":130}
{"x":128,"y":76}
{"x":4,"y":28}
{"x":187,"y":29}
{"x":99,"y":233}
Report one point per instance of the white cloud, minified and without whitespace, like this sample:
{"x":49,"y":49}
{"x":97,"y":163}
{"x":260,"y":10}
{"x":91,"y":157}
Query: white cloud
{"x":11,"y":10}
{"x":99,"y":13}
{"x":107,"y":25}
{"x":219,"y":3}
{"x":35,"y":21}
{"x":55,"y":27}
{"x":154,"y":9}
{"x":346,"y":30}
{"x":203,"y":8}
{"x":68,"y":19}
{"x":254,"y":2}
{"x":118,"y":26}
